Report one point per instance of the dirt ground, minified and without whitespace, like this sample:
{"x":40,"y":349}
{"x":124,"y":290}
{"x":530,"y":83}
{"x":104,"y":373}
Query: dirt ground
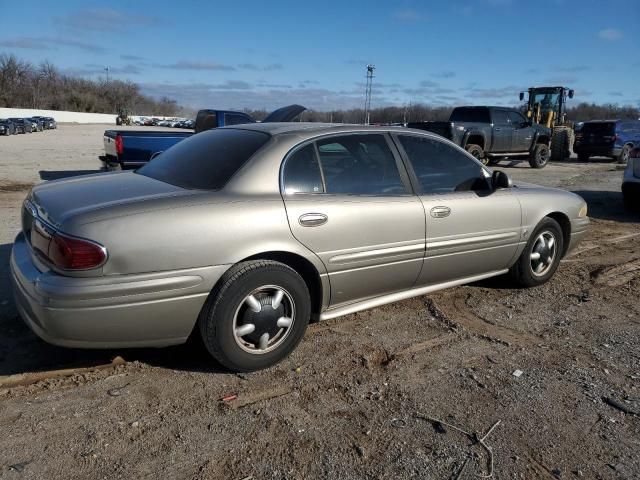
{"x":372,"y":395}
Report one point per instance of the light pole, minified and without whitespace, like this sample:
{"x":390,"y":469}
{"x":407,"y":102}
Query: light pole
{"x":106,"y":69}
{"x":367,"y":98}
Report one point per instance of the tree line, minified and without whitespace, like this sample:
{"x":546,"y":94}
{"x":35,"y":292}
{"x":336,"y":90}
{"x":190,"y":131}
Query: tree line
{"x":421,"y":112}
{"x":44,"y":86}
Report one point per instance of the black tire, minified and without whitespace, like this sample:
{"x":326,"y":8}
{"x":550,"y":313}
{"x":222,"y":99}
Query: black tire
{"x":623,"y":158}
{"x":216,"y":321}
{"x":522,"y":272}
{"x":539,"y":156}
{"x":477,"y":152}
{"x":561,"y":143}
{"x":583,"y":157}
{"x":631,"y":201}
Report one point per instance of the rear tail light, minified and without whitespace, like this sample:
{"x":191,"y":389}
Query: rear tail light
{"x":119,"y":145}
{"x":70,"y":253}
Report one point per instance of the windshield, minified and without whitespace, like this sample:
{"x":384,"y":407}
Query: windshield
{"x":547,"y":101}
{"x":207,"y":160}
{"x":602,"y":128}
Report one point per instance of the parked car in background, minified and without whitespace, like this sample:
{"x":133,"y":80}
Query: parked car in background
{"x":7,"y":127}
{"x":607,"y":138}
{"x":37,"y":125}
{"x":133,"y":148}
{"x":493,"y":133}
{"x":50,"y":123}
{"x":631,"y":180}
{"x":243,"y":234}
{"x":22,"y":125}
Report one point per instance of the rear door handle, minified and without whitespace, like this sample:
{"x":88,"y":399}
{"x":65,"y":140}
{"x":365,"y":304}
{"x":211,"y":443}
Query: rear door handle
{"x":440,"y":212}
{"x":313,"y":219}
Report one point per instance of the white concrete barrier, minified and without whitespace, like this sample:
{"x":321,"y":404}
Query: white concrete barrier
{"x":60,"y":116}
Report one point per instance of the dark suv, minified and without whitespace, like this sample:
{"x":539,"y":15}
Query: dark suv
{"x":607,"y":138}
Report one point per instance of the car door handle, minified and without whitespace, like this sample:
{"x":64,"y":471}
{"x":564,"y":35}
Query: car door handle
{"x":313,"y":219}
{"x":440,"y":212}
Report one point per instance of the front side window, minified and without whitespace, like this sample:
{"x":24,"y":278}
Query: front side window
{"x":516,"y":118}
{"x":236,"y":119}
{"x":360,"y":164}
{"x":442,"y":168}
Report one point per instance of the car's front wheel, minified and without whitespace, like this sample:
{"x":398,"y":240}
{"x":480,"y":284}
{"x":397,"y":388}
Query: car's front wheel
{"x":256,"y":315}
{"x":539,"y":156}
{"x":541,"y":256}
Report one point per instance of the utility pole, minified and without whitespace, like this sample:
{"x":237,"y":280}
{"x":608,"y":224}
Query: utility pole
{"x":107,"y":70}
{"x":367,"y":99}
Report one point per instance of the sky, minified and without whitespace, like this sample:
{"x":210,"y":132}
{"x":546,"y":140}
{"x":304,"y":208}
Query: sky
{"x":266,"y":54}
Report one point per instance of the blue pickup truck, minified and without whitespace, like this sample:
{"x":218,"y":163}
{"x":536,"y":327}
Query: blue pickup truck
{"x":133,"y":148}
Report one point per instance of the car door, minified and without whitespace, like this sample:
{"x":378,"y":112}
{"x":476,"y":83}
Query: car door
{"x":349,"y":201}
{"x":502,"y":131}
{"x":471,"y":230}
{"x":522,"y":132}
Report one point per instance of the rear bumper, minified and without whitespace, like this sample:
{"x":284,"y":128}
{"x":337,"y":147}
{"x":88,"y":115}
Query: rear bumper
{"x":579,"y":229}
{"x":155,"y":309}
{"x":610,"y":151}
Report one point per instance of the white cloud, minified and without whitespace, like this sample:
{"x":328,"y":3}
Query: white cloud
{"x":610,"y":34}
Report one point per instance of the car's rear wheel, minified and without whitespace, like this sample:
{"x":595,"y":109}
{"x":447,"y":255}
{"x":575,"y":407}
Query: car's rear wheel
{"x":539,"y":156}
{"x":583,"y":157}
{"x":477,"y":152}
{"x":256,"y":316}
{"x":623,"y":158}
{"x":541,"y":256}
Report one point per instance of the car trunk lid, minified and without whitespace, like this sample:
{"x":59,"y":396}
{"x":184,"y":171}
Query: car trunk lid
{"x":54,"y":202}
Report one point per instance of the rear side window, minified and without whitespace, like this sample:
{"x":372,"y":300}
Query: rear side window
{"x":468,"y":114}
{"x":302,"y":172}
{"x":499,"y":117}
{"x":359,"y":165}
{"x":207,"y":160}
{"x":441,"y":168}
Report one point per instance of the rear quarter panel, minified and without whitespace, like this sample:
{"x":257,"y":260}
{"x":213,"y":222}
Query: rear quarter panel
{"x":170,"y":234}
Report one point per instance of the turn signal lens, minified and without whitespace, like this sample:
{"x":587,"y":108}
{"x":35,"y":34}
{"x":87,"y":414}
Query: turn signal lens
{"x":583,"y":211}
{"x":74,"y":253}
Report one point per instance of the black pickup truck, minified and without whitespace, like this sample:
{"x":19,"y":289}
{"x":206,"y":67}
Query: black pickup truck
{"x":493,"y":133}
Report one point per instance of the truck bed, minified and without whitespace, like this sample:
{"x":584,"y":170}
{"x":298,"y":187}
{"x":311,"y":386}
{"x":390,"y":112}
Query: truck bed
{"x":138,"y":146}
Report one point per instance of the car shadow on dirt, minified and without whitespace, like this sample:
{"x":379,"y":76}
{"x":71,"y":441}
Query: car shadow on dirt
{"x":59,"y":174}
{"x":607,"y":205}
{"x":21,"y":351}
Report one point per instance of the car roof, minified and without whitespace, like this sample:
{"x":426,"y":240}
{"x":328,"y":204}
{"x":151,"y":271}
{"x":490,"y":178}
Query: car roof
{"x":312,"y":128}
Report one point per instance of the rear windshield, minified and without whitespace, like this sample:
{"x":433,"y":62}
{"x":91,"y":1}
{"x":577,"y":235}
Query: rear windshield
{"x":207,"y":160}
{"x":464,"y":114}
{"x":602,"y":128}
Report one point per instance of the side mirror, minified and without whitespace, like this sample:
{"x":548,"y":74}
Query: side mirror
{"x":571,"y":93}
{"x":499,"y":179}
{"x":521,"y":96}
